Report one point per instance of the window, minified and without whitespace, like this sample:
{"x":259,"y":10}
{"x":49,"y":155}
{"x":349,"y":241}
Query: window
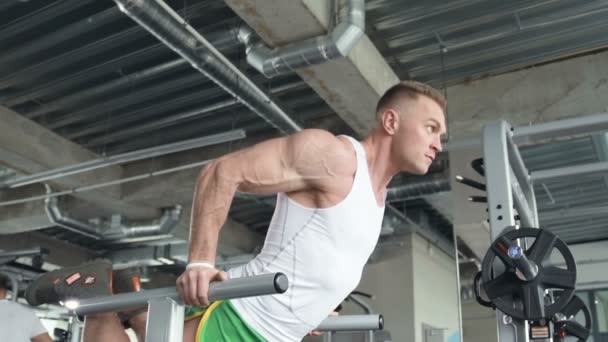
{"x":601,"y":310}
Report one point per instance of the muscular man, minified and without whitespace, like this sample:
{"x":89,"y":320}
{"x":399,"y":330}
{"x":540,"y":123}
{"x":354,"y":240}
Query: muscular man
{"x":19,"y":323}
{"x":330,"y":205}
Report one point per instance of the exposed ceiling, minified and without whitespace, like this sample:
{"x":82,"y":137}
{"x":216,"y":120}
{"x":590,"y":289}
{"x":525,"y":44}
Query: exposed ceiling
{"x":481,"y":38}
{"x":87,"y":72}
{"x":573,"y":207}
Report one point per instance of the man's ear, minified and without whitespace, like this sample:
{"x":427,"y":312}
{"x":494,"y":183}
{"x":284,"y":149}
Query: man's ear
{"x":389,"y":121}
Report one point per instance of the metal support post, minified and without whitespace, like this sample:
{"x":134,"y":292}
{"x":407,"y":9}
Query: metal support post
{"x":75,"y":328}
{"x":501,"y":181}
{"x":526,"y":202}
{"x":165,"y":320}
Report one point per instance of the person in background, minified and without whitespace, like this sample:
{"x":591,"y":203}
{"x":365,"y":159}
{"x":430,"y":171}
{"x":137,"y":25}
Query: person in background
{"x":18,"y":323}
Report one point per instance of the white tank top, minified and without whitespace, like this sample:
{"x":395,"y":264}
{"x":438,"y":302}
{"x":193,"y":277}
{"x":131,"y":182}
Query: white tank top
{"x":322,"y":252}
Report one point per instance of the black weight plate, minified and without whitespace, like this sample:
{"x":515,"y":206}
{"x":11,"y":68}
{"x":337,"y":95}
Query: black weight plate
{"x":570,"y":327}
{"x":525,"y":300}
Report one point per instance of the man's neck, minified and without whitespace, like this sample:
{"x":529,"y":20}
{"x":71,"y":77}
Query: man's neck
{"x":381,"y":170}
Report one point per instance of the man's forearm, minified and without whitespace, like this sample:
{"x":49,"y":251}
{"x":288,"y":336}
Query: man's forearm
{"x":212,"y":197}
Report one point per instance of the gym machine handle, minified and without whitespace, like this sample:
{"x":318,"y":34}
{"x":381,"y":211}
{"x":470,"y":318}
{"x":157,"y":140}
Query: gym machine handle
{"x":229,"y":289}
{"x":528,"y":270}
{"x":471,"y":183}
{"x":352,"y":323}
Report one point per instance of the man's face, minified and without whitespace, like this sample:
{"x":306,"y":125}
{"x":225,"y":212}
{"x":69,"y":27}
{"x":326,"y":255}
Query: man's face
{"x":417,"y":139}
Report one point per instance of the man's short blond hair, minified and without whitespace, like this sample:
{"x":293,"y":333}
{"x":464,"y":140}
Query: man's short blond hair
{"x":408,"y":90}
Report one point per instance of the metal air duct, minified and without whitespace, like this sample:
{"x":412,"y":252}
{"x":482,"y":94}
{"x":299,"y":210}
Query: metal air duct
{"x":115,"y":229}
{"x":337,"y":43}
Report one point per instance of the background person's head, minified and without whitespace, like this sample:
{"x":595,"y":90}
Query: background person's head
{"x":5,"y":285}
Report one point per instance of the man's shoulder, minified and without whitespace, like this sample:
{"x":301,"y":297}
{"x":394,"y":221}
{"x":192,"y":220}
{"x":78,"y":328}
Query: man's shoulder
{"x":15,"y":306}
{"x":317,"y":134}
{"x":17,"y":310}
{"x":6,"y":302}
{"x":334,"y":157}
{"x":339,"y":153}
{"x":326,"y":139}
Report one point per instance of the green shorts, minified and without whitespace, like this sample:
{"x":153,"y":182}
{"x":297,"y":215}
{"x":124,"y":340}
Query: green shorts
{"x":221,"y":322}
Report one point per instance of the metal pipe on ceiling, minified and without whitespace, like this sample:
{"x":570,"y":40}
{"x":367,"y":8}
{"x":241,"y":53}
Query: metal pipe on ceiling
{"x":197,"y":112}
{"x":160,"y":20}
{"x":124,"y":158}
{"x":222,"y":40}
{"x":32,"y":47}
{"x":38,"y":17}
{"x":106,"y":184}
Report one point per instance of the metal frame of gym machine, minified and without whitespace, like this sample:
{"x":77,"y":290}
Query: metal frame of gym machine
{"x":510,"y":184}
{"x":166,"y":310}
